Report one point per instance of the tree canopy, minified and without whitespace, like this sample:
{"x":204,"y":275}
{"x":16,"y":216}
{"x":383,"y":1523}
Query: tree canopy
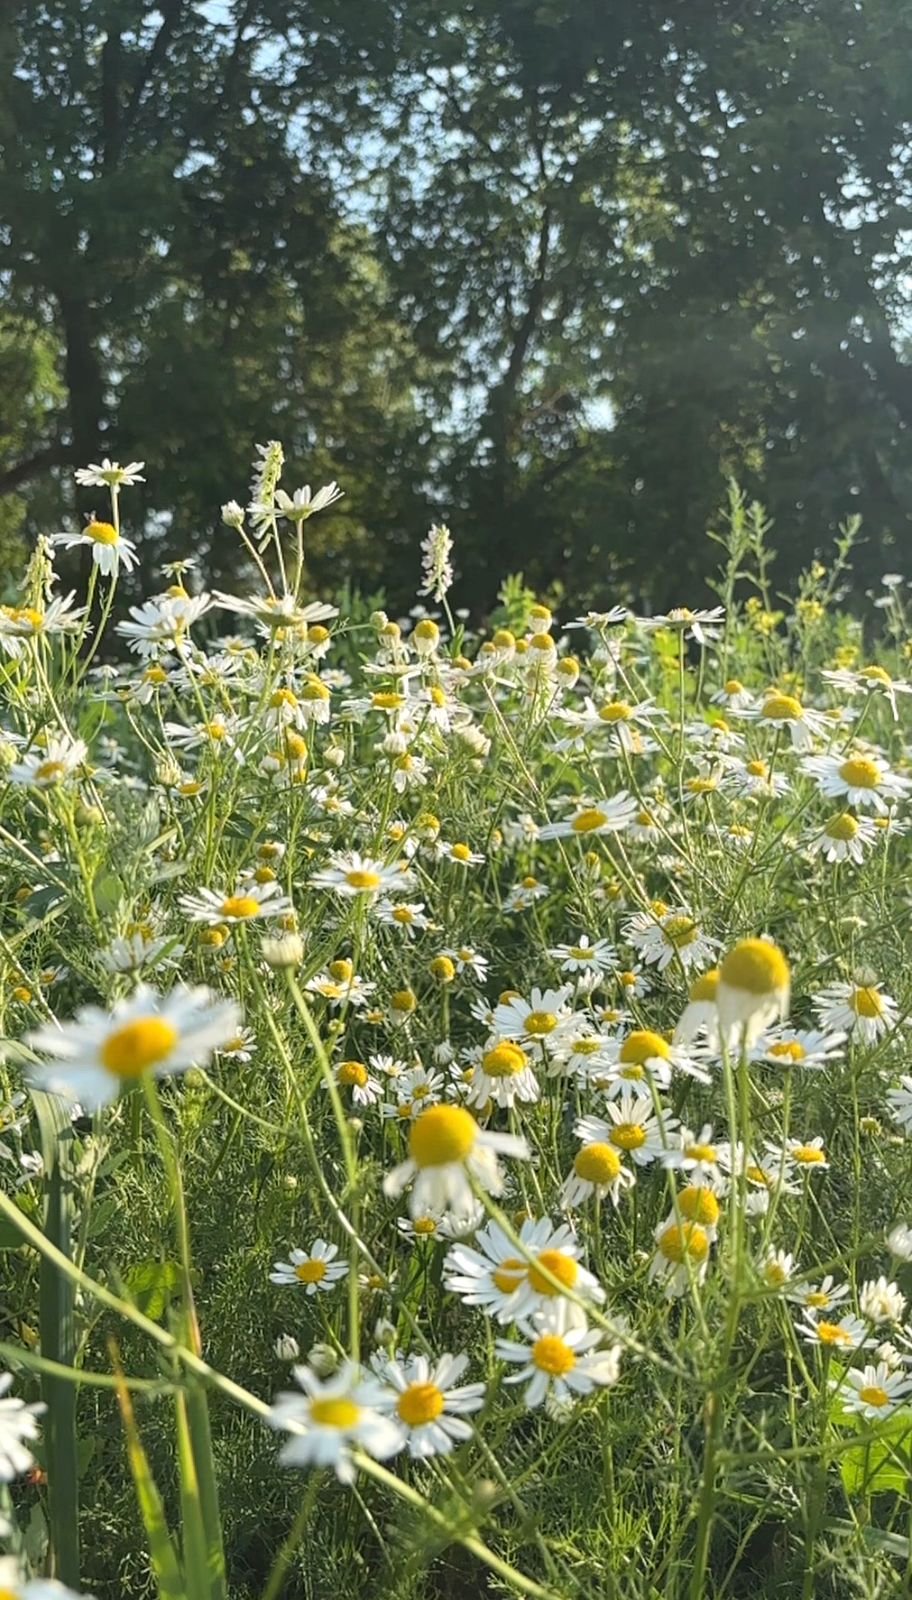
{"x":550,"y":270}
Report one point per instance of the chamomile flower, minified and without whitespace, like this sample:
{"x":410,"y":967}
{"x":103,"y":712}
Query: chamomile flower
{"x":700,"y":1015}
{"x":163,"y":624}
{"x":602,"y":816}
{"x":110,"y":550}
{"x":820,"y":1298}
{"x":881,"y":1301}
{"x":643,"y":1055}
{"x":699,"y":625}
{"x":448,"y":1152}
{"x":598,"y":1171}
{"x":503,"y":1075}
{"x":110,"y":475}
{"x":869,"y":680}
{"x":753,"y":990}
{"x":312,"y":1270}
{"x":97,"y":1054}
{"x":354,"y":1078}
{"x":509,"y":1283}
{"x":874,"y":1392}
{"x":783,"y":712}
{"x":585,"y":956}
{"x":681,"y":1258}
{"x":634,"y":1128}
{"x":662,"y":936}
{"x":863,"y":780}
{"x":409,"y":916}
{"x":54,"y":763}
{"x":427,"y":1401}
{"x":326,"y":1421}
{"x":695,"y":1154}
{"x":843,"y":837}
{"x":20,"y":624}
{"x":859,"y":1009}
{"x":560,"y":1361}
{"x":354,"y":874}
{"x":246,"y":903}
{"x":18,"y":1430}
{"x":849,"y":1333}
{"x":539,"y":1020}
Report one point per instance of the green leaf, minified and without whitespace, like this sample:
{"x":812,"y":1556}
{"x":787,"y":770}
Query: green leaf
{"x":884,"y":1465}
{"x":153,"y":1285}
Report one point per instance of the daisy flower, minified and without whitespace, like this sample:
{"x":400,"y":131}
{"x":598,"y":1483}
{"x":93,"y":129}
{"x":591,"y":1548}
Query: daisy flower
{"x":700,"y":1015}
{"x":875,"y":1391}
{"x":525,"y":893}
{"x":298,"y":507}
{"x":869,"y":680}
{"x":57,"y":760}
{"x":755,"y":780}
{"x":597,"y":1171}
{"x":110,"y":475}
{"x":139,"y":949}
{"x":633,"y":1128}
{"x":462,"y":854}
{"x":465,"y":959}
{"x":314,"y":1269}
{"x":409,"y":915}
{"x":18,"y":1429}
{"x":696,"y":1155}
{"x":503,"y":1074}
{"x":585,"y":956}
{"x":354,"y":874}
{"x":660,"y":936}
{"x":427,"y":1401}
{"x":448,"y":1152}
{"x":782,"y":711}
{"x":326,"y":1421}
{"x":820,"y":1297}
{"x":681,"y":1256}
{"x":354,"y":1076}
{"x":644,"y":1054}
{"x":734,"y":696}
{"x":110,"y":550}
{"x":754,"y":988}
{"x":539,"y":1020}
{"x":163,"y":624}
{"x":843,"y":838}
{"x":97,"y":1054}
{"x":509,"y":1285}
{"x":860,"y":1009}
{"x":699,"y":625}
{"x":604,"y":816}
{"x":881,"y":1301}
{"x":248,"y":901}
{"x":849,"y":1333}
{"x":862,"y":780}
{"x":560,"y":1362}
{"x":19,"y":624}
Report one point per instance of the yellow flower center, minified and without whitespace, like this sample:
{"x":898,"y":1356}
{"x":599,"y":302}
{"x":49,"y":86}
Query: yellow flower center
{"x":680,"y":931}
{"x":553,"y":1355}
{"x":353,"y":1074}
{"x":756,"y":966}
{"x":560,"y":1266}
{"x":699,"y":1205}
{"x":701,"y":1152}
{"x":817,"y":1299}
{"x":809,"y":1155}
{"x":597,"y":1163}
{"x":102,"y":532}
{"x":843,"y":827}
{"x":866,"y":1002}
{"x":403,"y":915}
{"x":873,"y":1395}
{"x":283,"y":697}
{"x":442,"y":1135}
{"x":860,"y":773}
{"x":628,"y":1135}
{"x":137,"y":1046}
{"x":733,"y":686}
{"x":240,"y":906}
{"x":509,"y":1274}
{"x":334,"y":1413}
{"x":615,"y":711}
{"x":24,"y":614}
{"x":460,"y":852}
{"x":782,"y":708}
{"x":701,"y":785}
{"x":49,"y":771}
{"x":359,"y":878}
{"x":685,"y":1243}
{"x":403,"y":1000}
{"x":529,"y":883}
{"x":589,"y":821}
{"x":757,"y":769}
{"x":420,"y":1402}
{"x":775,"y":1274}
{"x":506,"y":1060}
{"x":587,"y":1047}
{"x":642,"y":1046}
{"x":387,"y":701}
{"x":831,"y":1333}
{"x":424,"y":1225}
{"x":540,"y":1023}
{"x":788,"y":1050}
{"x":443,"y":969}
{"x":704,"y":987}
{"x":312,"y":1271}
{"x":875,"y":675}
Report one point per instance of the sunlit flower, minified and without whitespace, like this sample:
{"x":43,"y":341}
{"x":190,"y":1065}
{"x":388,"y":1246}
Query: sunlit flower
{"x":427,"y":1401}
{"x":312,"y":1270}
{"x":560,"y":1360}
{"x":448,"y":1152}
{"x":327,"y":1421}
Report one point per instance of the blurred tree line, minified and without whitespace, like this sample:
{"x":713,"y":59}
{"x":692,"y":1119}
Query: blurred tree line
{"x":549,"y":269}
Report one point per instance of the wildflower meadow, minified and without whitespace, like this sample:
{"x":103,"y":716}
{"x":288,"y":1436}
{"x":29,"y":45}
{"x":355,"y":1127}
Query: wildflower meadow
{"x":455,"y":1089}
